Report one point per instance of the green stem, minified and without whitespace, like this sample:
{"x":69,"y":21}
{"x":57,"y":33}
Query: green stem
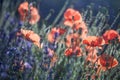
{"x":60,"y":13}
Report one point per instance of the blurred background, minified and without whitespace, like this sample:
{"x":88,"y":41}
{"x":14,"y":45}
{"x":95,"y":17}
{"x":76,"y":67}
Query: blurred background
{"x":45,"y":6}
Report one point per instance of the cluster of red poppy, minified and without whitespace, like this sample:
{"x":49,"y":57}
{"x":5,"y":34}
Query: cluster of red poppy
{"x":104,"y":61}
{"x":28,"y":13}
{"x":74,"y":20}
{"x":53,"y":36}
{"x":73,"y":41}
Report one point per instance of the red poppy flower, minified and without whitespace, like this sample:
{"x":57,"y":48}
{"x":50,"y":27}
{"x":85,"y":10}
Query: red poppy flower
{"x":72,"y":17}
{"x":84,"y":30}
{"x":107,"y":62}
{"x":68,"y":40}
{"x":72,"y":40}
{"x":55,"y":33}
{"x":119,"y":38}
{"x":60,"y":31}
{"x":50,"y":38}
{"x":92,"y":55}
{"x":68,"y":52}
{"x":33,"y":16}
{"x":23,"y":10}
{"x":93,"y":41}
{"x":110,"y":35}
{"x":73,"y":51}
{"x":31,"y":36}
{"x":78,"y":51}
{"x":79,"y":25}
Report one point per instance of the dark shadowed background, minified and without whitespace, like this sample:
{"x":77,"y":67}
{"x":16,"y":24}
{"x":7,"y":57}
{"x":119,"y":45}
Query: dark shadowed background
{"x":45,"y":6}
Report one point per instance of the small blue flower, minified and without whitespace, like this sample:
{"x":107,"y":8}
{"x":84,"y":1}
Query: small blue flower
{"x":12,"y":21}
{"x":52,"y":46}
{"x":4,"y":75}
{"x":45,"y":50}
{"x":20,"y":24}
{"x":56,"y":35}
{"x":7,"y":15}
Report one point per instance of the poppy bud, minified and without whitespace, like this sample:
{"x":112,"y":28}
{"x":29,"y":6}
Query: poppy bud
{"x":80,"y":31}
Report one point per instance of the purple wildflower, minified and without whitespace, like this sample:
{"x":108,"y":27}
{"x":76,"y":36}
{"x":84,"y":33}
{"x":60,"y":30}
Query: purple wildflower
{"x":27,"y":65}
